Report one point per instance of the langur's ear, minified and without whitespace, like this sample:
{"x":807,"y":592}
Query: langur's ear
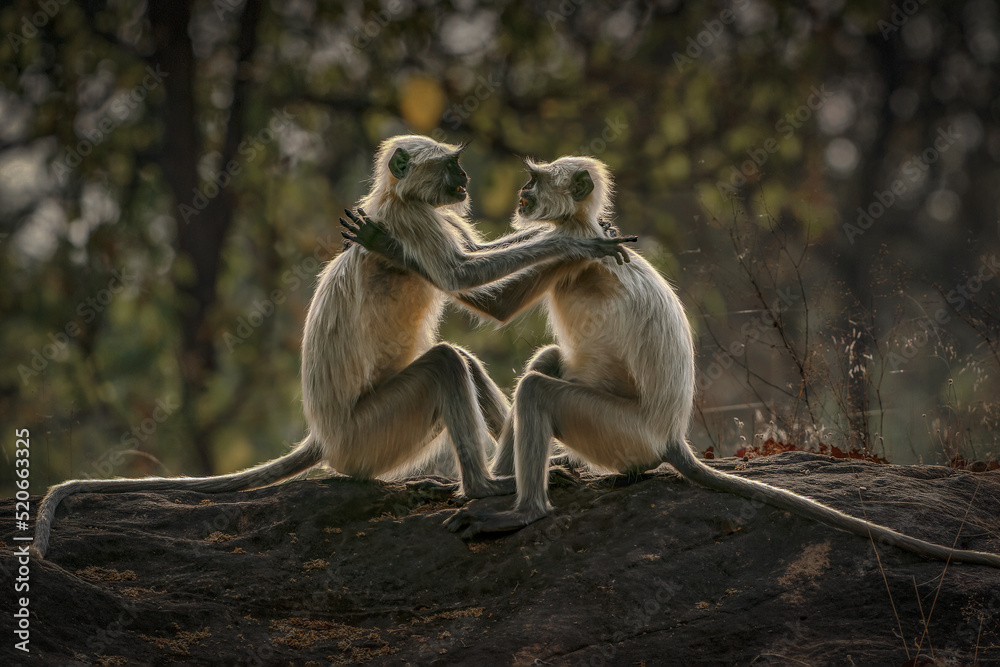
{"x":399,"y":163}
{"x":529,"y":166}
{"x":582,"y":185}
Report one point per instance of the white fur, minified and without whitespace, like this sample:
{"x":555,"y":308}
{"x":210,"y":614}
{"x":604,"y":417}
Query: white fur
{"x":349,"y":346}
{"x":641,"y":330}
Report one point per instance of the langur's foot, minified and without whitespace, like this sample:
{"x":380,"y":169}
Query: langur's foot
{"x":470,"y":522}
{"x":496,"y":486}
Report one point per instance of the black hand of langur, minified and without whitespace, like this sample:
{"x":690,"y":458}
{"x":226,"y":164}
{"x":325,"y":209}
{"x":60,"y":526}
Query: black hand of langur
{"x":613,"y":247}
{"x":611,"y":232}
{"x":363,"y":230}
{"x":367,"y":233}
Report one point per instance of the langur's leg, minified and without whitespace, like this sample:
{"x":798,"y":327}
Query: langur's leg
{"x":547,"y":361}
{"x":394,"y":423}
{"x":602,"y":428}
{"x":492,"y":402}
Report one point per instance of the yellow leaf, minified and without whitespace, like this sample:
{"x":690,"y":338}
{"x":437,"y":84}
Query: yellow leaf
{"x":421,"y":103}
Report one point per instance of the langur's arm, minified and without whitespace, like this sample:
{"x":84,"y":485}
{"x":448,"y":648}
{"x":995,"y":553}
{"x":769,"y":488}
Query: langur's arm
{"x":470,"y":244}
{"x":479,"y":268}
{"x":507,"y":298}
{"x":501,"y":300}
{"x":511,"y":239}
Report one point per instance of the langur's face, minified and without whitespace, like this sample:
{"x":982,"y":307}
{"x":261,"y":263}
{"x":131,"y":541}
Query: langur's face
{"x":454,"y":180}
{"x":436,"y":179}
{"x":528,"y":202}
{"x":553,"y":192}
{"x":444,"y":179}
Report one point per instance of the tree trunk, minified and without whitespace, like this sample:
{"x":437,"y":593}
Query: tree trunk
{"x":200,"y":236}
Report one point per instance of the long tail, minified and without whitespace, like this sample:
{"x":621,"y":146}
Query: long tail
{"x":692,"y":468}
{"x":306,"y":455}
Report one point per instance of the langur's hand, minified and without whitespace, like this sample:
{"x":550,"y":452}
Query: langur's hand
{"x":369,"y":235}
{"x":362,"y":230}
{"x":612,"y":247}
{"x":609,"y":228}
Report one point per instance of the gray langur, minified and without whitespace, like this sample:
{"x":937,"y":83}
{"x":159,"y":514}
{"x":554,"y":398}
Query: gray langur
{"x":378,"y":388}
{"x":617,"y":389}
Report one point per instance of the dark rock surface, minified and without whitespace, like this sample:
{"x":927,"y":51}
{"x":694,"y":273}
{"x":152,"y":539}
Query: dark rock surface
{"x":655,"y":571}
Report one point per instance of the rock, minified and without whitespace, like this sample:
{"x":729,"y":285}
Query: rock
{"x":656,"y":571}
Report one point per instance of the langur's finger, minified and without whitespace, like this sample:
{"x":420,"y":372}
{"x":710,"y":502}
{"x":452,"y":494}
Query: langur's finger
{"x":350,"y":214}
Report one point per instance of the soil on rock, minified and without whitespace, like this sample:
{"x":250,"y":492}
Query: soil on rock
{"x":651,"y":571}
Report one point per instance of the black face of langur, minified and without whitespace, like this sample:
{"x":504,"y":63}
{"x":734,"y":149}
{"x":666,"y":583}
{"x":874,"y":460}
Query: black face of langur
{"x":528,"y":201}
{"x":438,"y":181}
{"x":543,"y":198}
